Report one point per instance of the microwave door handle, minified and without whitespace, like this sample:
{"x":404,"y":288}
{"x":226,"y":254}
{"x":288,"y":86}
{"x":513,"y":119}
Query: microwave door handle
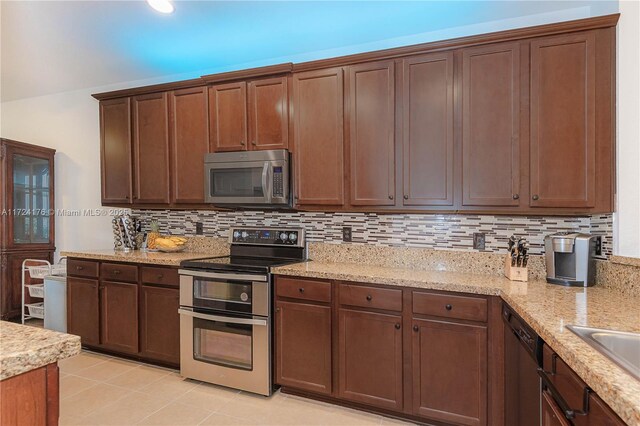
{"x":266,"y":187}
{"x":230,"y":320}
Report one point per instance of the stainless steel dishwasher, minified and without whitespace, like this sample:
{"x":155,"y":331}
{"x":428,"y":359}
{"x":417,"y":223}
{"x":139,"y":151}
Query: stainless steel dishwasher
{"x":523,"y":357}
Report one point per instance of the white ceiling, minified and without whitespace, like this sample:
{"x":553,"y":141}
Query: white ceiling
{"x":56,"y":46}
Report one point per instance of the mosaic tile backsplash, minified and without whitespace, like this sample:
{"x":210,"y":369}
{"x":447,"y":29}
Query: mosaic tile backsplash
{"x":445,"y":232}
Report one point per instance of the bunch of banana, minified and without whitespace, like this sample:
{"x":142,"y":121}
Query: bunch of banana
{"x":170,"y":243}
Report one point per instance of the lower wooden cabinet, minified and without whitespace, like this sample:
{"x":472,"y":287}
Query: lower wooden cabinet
{"x":31,"y":398}
{"x":119,"y":316}
{"x":551,"y":413}
{"x":370,"y":358}
{"x":138,"y":318}
{"x":417,"y":354}
{"x":160,"y":323}
{"x":303,"y":346}
{"x":83,"y":309}
{"x":449,"y":362}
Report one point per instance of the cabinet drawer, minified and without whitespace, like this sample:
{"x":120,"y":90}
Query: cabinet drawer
{"x":572,"y":389}
{"x":119,"y":272}
{"x":82,"y":268}
{"x":165,"y":276}
{"x":319,"y":291}
{"x":450,"y":306}
{"x":371,"y":297}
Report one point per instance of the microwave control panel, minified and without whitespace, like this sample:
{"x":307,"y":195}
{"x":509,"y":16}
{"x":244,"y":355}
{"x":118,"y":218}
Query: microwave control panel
{"x":278,"y":182}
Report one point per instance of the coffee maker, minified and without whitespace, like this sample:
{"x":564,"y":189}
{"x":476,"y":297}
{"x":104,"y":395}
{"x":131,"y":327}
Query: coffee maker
{"x":570,"y":259}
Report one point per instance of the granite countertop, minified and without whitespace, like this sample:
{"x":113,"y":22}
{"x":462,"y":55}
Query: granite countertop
{"x":547,"y":308}
{"x":138,"y":256}
{"x":24,"y":348}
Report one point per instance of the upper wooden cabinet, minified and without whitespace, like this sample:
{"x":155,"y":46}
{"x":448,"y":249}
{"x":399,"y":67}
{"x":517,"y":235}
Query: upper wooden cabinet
{"x":520,"y":122}
{"x":253,"y":119}
{"x":371,"y":131}
{"x":115,"y":151}
{"x":427,"y":130}
{"x":491,"y":91}
{"x":228,"y":116}
{"x":269,"y":113}
{"x":563,"y":120}
{"x":151,"y":148}
{"x":319,"y":139}
{"x":189,"y":144}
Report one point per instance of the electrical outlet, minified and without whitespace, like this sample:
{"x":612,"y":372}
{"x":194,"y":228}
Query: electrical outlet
{"x":598,"y":246}
{"x":479,"y":240}
{"x":346,"y":234}
{"x":199,"y":230}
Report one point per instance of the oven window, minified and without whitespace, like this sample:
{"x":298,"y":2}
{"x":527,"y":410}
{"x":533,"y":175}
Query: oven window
{"x":219,"y":291}
{"x":240,"y":182}
{"x":223,"y":343}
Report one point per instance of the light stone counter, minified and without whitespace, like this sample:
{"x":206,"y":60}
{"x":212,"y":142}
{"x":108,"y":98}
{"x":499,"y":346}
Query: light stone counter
{"x":24,"y":348}
{"x":138,"y":256}
{"x":547,"y":308}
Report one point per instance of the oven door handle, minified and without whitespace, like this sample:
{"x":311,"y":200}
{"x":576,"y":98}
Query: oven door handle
{"x":230,"y":320}
{"x":233,"y":277}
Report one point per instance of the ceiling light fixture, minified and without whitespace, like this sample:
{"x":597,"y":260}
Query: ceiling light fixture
{"x":162,"y":6}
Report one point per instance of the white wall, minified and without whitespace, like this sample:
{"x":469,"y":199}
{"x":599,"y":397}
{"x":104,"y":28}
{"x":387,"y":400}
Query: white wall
{"x":627,"y":218}
{"x":69,"y":123}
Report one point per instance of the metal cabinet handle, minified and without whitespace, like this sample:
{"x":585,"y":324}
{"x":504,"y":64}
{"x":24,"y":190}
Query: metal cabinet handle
{"x":448,"y":307}
{"x":116,"y":272}
{"x":253,"y":143}
{"x":161,"y":276}
{"x":301,"y":289}
{"x":569,"y":413}
{"x":535,"y":198}
{"x":516,"y":196}
{"x":406,"y":197}
{"x":416,"y":328}
{"x":397,"y":326}
{"x":391,"y":197}
{"x":369,"y":297}
{"x":242,"y":143}
{"x":79,"y":268}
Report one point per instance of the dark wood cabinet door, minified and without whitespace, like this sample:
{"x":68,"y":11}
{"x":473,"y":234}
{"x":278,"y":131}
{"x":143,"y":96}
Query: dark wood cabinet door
{"x":115,"y":151}
{"x":427,"y":130}
{"x":119,"y":316}
{"x":450,"y":371}
{"x":151,"y":148}
{"x":371,"y":124}
{"x":551,"y":412}
{"x":303,"y":346}
{"x":83,"y":310}
{"x":189,"y":144}
{"x":563,"y":144}
{"x":370,"y":358}
{"x":160,"y":324}
{"x":11,"y":281}
{"x":318,"y":137}
{"x":491,"y":125}
{"x":269,"y":113}
{"x":228,"y":117}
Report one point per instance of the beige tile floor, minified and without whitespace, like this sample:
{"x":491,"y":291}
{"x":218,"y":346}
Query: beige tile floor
{"x":100,"y":390}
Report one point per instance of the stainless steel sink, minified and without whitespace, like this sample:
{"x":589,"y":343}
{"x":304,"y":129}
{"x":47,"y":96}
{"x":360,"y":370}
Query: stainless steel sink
{"x":621,"y":347}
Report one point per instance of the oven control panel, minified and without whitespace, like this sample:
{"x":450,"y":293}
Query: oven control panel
{"x":268,"y":236}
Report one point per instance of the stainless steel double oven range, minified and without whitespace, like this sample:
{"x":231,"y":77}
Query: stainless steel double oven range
{"x":226,"y":309}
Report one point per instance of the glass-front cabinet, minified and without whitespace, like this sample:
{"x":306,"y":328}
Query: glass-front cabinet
{"x":26,"y":216}
{"x":28,"y":195}
{"x":31,"y":199}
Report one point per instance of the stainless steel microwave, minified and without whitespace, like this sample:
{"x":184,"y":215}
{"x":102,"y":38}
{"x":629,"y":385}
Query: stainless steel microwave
{"x":248,"y":179}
